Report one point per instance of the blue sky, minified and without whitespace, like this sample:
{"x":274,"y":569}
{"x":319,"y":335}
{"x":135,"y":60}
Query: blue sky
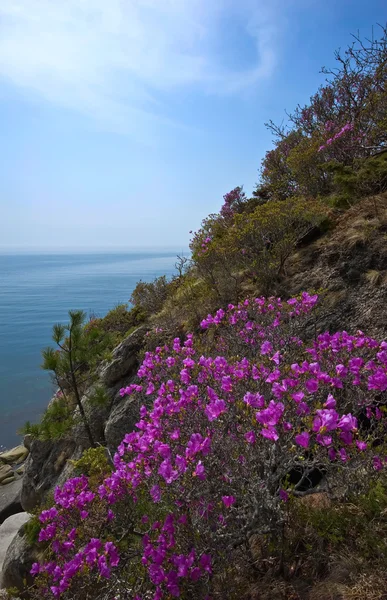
{"x":123,"y":122}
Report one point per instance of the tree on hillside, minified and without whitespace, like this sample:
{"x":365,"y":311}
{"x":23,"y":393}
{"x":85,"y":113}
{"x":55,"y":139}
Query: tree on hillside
{"x":344,"y":123}
{"x":72,"y":362}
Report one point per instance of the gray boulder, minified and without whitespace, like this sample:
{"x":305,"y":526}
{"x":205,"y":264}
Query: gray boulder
{"x":14,"y":456}
{"x":10,"y":503}
{"x":8,"y":530}
{"x":18,"y":561}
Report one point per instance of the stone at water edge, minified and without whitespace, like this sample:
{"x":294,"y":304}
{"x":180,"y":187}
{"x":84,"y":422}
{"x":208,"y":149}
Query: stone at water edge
{"x":14,"y":456}
{"x":5,"y":472}
{"x":8,"y":530}
{"x":9,"y":479}
{"x":19,"y":555}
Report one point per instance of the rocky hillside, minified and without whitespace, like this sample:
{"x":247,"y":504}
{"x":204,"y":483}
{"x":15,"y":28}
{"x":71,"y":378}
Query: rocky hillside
{"x":347,"y":263}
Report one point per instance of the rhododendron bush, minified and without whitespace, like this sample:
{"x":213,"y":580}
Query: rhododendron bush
{"x":226,"y":420}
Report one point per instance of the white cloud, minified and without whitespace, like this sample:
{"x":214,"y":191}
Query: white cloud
{"x":115,"y":60}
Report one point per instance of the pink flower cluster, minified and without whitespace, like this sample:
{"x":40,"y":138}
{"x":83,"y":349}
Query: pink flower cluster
{"x":206,"y":420}
{"x":338,"y":135}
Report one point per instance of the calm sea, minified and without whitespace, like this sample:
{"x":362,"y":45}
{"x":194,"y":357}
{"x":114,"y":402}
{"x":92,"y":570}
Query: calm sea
{"x":36,"y":291}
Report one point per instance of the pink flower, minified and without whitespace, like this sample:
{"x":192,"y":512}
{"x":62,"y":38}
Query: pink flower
{"x":378,"y":465}
{"x":326,"y":420}
{"x":346,"y":437}
{"x":271,"y":415}
{"x":205,"y":563}
{"x":298,"y":396}
{"x":228,"y":501}
{"x":331,"y":402}
{"x":269,"y":433}
{"x":226,"y":384}
{"x":266,"y":348}
{"x":331,"y":454}
{"x":254,"y":400}
{"x":167,"y":472}
{"x":347,"y":423}
{"x":200,"y":472}
{"x":215,"y":409}
{"x":250,"y":437}
{"x":35,"y":569}
{"x":311,"y":385}
{"x":283,"y":495}
{"x":302,"y":439}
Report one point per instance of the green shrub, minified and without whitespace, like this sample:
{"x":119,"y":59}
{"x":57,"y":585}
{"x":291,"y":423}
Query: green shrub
{"x":252,"y":245}
{"x":94,"y":462}
{"x":345,"y":525}
{"x":149,"y":297}
{"x":120,"y":320}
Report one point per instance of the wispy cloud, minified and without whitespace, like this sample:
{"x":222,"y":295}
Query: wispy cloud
{"x":116,"y":60}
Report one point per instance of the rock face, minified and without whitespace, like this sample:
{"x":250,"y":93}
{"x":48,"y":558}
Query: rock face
{"x":351,"y":266}
{"x":125,"y":358}
{"x":122,"y":420}
{"x":10,"y":503}
{"x":18,"y":560}
{"x":45,"y":467}
{"x":8,"y":530}
{"x":27,"y":440}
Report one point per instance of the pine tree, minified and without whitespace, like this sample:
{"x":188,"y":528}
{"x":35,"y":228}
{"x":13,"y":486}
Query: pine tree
{"x":73,"y":362}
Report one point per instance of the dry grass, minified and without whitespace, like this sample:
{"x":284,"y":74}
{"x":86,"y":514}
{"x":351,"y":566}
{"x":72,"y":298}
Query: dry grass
{"x":316,"y":501}
{"x":357,"y":236}
{"x":373,"y":276}
{"x":370,"y":587}
{"x":359,"y":224}
{"x":364,"y":587}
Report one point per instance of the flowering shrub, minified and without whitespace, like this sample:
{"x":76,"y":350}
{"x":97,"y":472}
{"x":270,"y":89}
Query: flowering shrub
{"x":224,"y":421}
{"x":343,"y":123}
{"x":348,"y":127}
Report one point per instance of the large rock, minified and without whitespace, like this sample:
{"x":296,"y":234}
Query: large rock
{"x":8,"y":530}
{"x":6,"y":471}
{"x":18,"y":561}
{"x":125,"y":358}
{"x":10,"y":499}
{"x":47,"y":466}
{"x":122,"y":420}
{"x":27,"y":441}
{"x":14,"y":456}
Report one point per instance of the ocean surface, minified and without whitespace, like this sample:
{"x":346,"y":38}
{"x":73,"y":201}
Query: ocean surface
{"x":36,"y":291}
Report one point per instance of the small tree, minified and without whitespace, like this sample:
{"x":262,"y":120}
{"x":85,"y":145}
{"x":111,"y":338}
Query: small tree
{"x":150,"y":296}
{"x":71,"y":364}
